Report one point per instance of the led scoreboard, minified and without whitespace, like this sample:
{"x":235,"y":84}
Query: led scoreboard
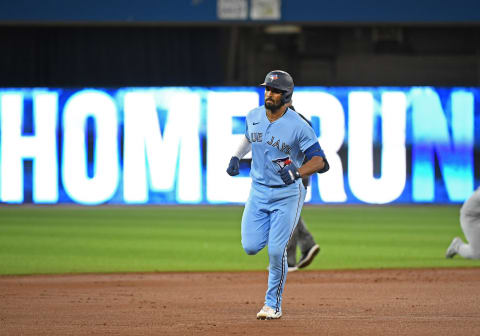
{"x":171,"y":145}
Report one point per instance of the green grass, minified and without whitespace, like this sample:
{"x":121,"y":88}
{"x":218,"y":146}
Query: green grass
{"x":45,"y":239}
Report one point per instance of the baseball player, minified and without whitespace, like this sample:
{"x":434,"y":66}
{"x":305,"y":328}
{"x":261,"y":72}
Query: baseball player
{"x":301,"y":236}
{"x":305,"y":241}
{"x":470,"y":223}
{"x":280,"y":141}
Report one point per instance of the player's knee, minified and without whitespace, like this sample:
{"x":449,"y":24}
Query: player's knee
{"x":252,"y":245}
{"x":251,"y":249}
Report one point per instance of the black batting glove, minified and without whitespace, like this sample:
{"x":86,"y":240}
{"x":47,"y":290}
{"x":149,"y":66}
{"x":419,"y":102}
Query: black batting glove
{"x":234,"y":166}
{"x":289,"y":173}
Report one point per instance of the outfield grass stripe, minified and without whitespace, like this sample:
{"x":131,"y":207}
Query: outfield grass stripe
{"x":49,"y":239}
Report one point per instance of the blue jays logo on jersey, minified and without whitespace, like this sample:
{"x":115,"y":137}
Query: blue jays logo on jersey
{"x":284,"y":148}
{"x":282,"y":162}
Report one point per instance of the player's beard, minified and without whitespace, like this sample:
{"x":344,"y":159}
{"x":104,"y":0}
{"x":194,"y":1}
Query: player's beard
{"x":270,"y":104}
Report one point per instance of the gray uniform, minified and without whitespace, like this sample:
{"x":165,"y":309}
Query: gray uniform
{"x":303,"y":238}
{"x":470,"y":223}
{"x":300,"y":236}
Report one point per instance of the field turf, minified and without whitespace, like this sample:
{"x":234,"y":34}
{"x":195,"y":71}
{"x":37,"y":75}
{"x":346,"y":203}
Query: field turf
{"x":71,"y":239}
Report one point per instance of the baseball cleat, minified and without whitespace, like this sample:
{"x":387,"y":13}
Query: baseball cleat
{"x":452,"y":250}
{"x":267,"y":313}
{"x":308,"y":257}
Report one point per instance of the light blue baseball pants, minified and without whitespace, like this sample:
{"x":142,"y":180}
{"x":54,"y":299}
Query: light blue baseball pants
{"x":269,"y":218}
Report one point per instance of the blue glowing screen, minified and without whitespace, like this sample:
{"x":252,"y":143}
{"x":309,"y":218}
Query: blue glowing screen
{"x":171,"y":145}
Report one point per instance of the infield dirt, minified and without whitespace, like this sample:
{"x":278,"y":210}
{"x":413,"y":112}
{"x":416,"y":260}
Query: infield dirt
{"x":362,"y":302}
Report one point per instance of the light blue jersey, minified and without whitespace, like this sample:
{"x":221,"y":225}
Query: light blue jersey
{"x":288,"y":136}
{"x":273,"y":208}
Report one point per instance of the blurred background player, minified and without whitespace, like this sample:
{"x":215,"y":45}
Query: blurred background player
{"x":470,"y":223}
{"x":301,"y":236}
{"x":304,"y":240}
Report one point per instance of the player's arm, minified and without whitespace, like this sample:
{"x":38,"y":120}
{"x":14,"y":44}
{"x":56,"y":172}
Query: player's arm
{"x":243,"y":148}
{"x":315,"y":161}
{"x":315,"y":164}
{"x":312,"y":151}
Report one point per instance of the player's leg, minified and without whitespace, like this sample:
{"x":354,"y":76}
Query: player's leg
{"x":255,"y":223}
{"x":308,"y":247}
{"x":283,"y":220}
{"x":292,"y":250}
{"x":305,"y":238}
{"x":471,"y":228}
{"x":470,"y":223}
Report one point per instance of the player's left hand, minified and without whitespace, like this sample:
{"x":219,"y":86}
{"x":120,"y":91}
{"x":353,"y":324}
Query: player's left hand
{"x":289,"y":173}
{"x":233,"y":166}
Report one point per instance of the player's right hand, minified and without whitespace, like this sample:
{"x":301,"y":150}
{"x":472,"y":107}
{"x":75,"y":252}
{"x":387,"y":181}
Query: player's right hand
{"x":234,"y":166}
{"x":289,"y":173}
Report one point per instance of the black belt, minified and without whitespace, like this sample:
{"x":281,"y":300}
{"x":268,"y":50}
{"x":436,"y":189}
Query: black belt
{"x":273,"y":186}
{"x":277,"y":186}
